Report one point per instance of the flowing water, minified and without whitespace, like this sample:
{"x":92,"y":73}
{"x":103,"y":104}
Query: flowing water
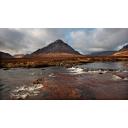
{"x":97,"y":80}
{"x":106,"y":66}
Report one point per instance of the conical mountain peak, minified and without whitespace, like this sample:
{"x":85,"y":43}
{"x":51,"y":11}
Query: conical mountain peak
{"x":58,"y":46}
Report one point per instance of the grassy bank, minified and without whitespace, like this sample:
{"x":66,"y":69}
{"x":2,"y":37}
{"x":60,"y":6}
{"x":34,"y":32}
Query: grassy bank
{"x":56,"y":61}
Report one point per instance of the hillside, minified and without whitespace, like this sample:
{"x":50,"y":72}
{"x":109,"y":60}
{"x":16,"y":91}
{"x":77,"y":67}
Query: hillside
{"x":57,"y":47}
{"x":122,"y":52}
{"x":102,"y":53}
{"x":5,"y":55}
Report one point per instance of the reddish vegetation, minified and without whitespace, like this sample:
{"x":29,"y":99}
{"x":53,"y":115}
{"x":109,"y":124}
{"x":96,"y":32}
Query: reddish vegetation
{"x":58,"y":53}
{"x":121,"y":53}
{"x":58,"y":59}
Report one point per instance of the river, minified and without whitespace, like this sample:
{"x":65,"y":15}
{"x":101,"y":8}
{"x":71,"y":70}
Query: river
{"x":108,"y":80}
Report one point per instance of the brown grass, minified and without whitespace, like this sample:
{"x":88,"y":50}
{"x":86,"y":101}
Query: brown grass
{"x":56,"y":60}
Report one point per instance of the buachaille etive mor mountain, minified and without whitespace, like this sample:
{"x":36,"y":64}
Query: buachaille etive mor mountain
{"x":5,"y":55}
{"x":122,"y":52}
{"x":58,"y":46}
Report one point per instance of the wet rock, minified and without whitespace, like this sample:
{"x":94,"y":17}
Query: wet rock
{"x":68,"y":65}
{"x":110,"y":70}
{"x":38,"y":81}
{"x":125,"y":79}
{"x":115,"y":77}
{"x":101,"y":73}
{"x":51,"y":75}
{"x":122,"y":75}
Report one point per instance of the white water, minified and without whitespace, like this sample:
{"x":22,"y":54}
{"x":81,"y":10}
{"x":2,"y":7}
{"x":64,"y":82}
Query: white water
{"x":24,"y":91}
{"x":19,"y":82}
{"x":74,"y":70}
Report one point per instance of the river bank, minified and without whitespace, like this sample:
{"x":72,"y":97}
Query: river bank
{"x":56,"y":61}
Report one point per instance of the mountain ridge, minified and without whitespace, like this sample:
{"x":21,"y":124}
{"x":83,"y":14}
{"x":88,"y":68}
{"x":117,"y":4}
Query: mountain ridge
{"x":102,"y":53}
{"x":57,"y":46}
{"x":4,"y":55}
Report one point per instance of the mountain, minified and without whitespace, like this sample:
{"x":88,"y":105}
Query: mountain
{"x":124,"y":48}
{"x":122,"y":52}
{"x":57,"y":47}
{"x":5,"y":55}
{"x":102,"y":53}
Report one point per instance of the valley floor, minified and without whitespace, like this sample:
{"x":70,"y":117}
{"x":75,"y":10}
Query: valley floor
{"x":66,"y":61}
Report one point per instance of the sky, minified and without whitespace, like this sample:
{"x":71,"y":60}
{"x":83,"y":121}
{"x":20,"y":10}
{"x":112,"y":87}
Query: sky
{"x":84,"y":40}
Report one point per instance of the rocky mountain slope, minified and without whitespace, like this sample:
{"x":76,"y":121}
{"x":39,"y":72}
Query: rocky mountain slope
{"x":5,"y":55}
{"x":57,"y":47}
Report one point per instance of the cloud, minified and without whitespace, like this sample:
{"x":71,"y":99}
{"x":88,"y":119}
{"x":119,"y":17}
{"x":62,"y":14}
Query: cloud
{"x":27,"y":40}
{"x":99,"y":39}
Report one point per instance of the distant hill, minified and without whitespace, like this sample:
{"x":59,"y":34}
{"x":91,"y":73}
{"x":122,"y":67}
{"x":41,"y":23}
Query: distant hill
{"x":5,"y":55}
{"x":19,"y":56}
{"x":122,"y":52}
{"x":102,"y":53}
{"x":56,"y":47}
